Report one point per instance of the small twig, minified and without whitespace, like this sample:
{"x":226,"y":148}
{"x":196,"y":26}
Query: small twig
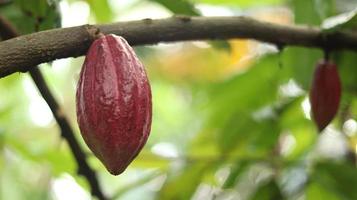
{"x":5,"y":2}
{"x":66,"y":131}
{"x":6,"y":29}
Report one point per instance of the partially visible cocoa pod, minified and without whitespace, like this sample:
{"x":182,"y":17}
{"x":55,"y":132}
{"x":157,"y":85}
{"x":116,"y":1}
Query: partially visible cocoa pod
{"x":113,"y":103}
{"x":325,"y":93}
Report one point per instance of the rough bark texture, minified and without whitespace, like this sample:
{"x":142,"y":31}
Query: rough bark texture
{"x":24,"y":52}
{"x":19,"y":54}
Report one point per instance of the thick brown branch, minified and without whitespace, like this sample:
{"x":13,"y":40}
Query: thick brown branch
{"x":8,"y":31}
{"x":23,"y":52}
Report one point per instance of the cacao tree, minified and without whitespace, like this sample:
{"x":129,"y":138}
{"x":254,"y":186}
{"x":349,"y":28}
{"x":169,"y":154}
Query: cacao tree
{"x":159,"y":99}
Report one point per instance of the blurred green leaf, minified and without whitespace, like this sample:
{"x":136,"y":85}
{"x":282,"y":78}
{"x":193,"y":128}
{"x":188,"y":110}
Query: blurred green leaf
{"x":42,"y":151}
{"x":235,"y":173}
{"x":268,"y":191}
{"x":232,"y":103}
{"x":247,"y":135}
{"x":221,"y":45}
{"x":301,"y":63}
{"x":345,"y":21}
{"x":145,"y":179}
{"x":339,"y":178}
{"x":305,"y":12}
{"x":23,"y":179}
{"x":169,"y":122}
{"x":102,"y":10}
{"x":242,"y":3}
{"x":345,"y":61}
{"x":238,"y":95}
{"x":32,"y":15}
{"x":325,"y":8}
{"x":15,"y":15}
{"x":181,"y":185}
{"x":147,"y":160}
{"x":182,"y":7}
{"x":316,"y":191}
{"x":37,"y":8}
{"x":302,"y":130}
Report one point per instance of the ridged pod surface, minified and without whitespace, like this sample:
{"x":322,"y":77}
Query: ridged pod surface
{"x":325,"y":93}
{"x":113,"y":102}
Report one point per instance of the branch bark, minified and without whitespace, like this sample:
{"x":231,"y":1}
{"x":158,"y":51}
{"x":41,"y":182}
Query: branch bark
{"x":19,"y":54}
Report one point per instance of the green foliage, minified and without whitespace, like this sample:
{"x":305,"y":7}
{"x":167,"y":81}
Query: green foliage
{"x":303,"y":65}
{"x":182,"y":184}
{"x":316,"y":191}
{"x":242,"y":133}
{"x":101,"y":10}
{"x":239,"y":168}
{"x":242,"y":3}
{"x":306,"y":12}
{"x":338,"y":178}
{"x":348,"y":22}
{"x":182,"y":7}
{"x":268,"y":191}
{"x":33,"y":15}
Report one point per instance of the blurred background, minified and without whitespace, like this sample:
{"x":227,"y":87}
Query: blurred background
{"x":231,"y":119}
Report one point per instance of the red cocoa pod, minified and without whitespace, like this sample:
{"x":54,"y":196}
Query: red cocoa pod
{"x":113,"y":102}
{"x":325,"y":93}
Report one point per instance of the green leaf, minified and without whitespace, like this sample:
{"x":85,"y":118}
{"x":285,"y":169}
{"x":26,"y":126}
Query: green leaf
{"x":102,"y":11}
{"x":37,"y":8}
{"x":232,"y":103}
{"x":316,"y":191}
{"x":325,"y":8}
{"x":135,"y":184}
{"x":146,"y":160}
{"x":221,"y":45}
{"x":301,"y":62}
{"x":40,"y":150}
{"x":346,"y":61}
{"x":33,"y":15}
{"x":182,"y":7}
{"x":243,"y":3}
{"x":268,"y":191}
{"x":339,"y":178}
{"x":305,"y":12}
{"x":239,"y":94}
{"x":235,"y":174}
{"x":344,"y":21}
{"x":21,"y":179}
{"x":301,"y":129}
{"x":23,"y":23}
{"x":245,"y":134}
{"x":182,"y":184}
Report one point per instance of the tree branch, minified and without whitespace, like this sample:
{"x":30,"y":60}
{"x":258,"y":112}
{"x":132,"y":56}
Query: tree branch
{"x":8,"y":31}
{"x":21,"y":53}
{"x":68,"y":134}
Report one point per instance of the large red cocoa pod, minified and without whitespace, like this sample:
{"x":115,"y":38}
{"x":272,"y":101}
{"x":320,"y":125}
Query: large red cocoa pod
{"x":113,"y":103}
{"x":325,"y":93}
